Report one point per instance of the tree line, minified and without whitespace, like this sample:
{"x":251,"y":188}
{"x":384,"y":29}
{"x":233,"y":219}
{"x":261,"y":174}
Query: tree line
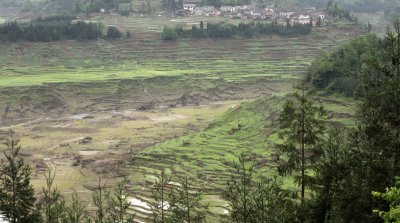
{"x":333,"y":10}
{"x":53,"y":29}
{"x":341,"y":71}
{"x":227,"y":30}
{"x":347,"y":174}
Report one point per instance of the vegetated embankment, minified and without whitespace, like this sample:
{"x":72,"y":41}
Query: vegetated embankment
{"x":19,"y":103}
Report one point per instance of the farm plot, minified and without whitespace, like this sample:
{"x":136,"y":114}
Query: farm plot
{"x":208,"y":155}
{"x":146,"y":55}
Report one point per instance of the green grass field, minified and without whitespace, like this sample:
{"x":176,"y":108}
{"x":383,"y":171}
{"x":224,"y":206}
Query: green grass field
{"x":146,"y":55}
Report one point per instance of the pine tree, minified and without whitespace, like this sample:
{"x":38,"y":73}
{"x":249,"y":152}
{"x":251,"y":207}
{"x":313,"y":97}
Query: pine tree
{"x":392,"y":197}
{"x":16,"y":192}
{"x":239,"y":192}
{"x":186,"y":201}
{"x":119,"y":204}
{"x":302,"y":127}
{"x":332,"y":173}
{"x":75,"y":211}
{"x":100,"y":199}
{"x":257,"y":201}
{"x":375,"y":142}
{"x":161,"y":197}
{"x":272,"y":204}
{"x":53,"y":203}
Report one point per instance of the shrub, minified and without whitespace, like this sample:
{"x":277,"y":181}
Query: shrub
{"x":113,"y":32}
{"x":169,"y":34}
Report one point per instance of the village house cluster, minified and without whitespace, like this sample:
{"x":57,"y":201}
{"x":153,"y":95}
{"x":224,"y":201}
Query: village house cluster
{"x":280,"y":15}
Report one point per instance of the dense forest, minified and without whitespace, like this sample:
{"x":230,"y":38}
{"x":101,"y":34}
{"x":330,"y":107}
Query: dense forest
{"x":342,"y":70}
{"x":54,"y":28}
{"x":226,"y":30}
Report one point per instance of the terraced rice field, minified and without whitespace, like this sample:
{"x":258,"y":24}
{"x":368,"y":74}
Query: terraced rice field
{"x":208,"y":155}
{"x":146,"y":55}
{"x":106,"y":74}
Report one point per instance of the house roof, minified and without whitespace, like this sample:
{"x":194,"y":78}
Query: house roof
{"x":206,"y":8}
{"x":226,"y":7}
{"x":304,"y":17}
{"x":191,"y":1}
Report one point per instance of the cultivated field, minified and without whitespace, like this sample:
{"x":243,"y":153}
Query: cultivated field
{"x":133,"y":106}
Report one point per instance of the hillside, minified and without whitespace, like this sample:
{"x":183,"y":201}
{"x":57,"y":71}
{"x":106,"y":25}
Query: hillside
{"x":208,"y":155}
{"x":131,"y":107}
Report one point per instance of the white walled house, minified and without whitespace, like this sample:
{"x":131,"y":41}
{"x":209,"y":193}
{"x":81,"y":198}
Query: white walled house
{"x":189,"y":7}
{"x":304,"y":19}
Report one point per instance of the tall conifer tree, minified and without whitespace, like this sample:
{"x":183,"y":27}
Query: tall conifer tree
{"x":16,"y":192}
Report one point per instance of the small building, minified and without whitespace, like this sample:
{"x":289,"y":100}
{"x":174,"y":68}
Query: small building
{"x":227,"y":9}
{"x":268,"y":9}
{"x":238,"y":8}
{"x":304,"y":19}
{"x":268,"y":13}
{"x":321,"y":16}
{"x":256,"y":15}
{"x":205,"y":10}
{"x":189,"y":7}
{"x":285,"y":14}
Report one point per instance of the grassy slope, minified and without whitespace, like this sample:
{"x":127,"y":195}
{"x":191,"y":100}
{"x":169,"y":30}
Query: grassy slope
{"x":145,"y":55}
{"x":207,"y":59}
{"x":208,"y":155}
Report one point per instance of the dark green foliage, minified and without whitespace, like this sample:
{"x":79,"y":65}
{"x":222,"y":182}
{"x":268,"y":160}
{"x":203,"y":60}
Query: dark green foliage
{"x":124,"y":12}
{"x":247,"y":30}
{"x":331,"y":177}
{"x":16,"y":192}
{"x":160,"y":205}
{"x":176,"y":203}
{"x":257,"y":202}
{"x":272,"y":204}
{"x":337,"y":12}
{"x":392,"y":197}
{"x":341,"y":70}
{"x":302,"y":127}
{"x":186,"y":206}
{"x":169,"y":34}
{"x":378,"y":131}
{"x":100,"y":198}
{"x":53,"y":207}
{"x":50,"y":29}
{"x":369,"y":159}
{"x":119,"y":204}
{"x":113,"y":32}
{"x":239,"y":192}
{"x":75,"y":211}
{"x":169,"y":5}
{"x":58,"y":18}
